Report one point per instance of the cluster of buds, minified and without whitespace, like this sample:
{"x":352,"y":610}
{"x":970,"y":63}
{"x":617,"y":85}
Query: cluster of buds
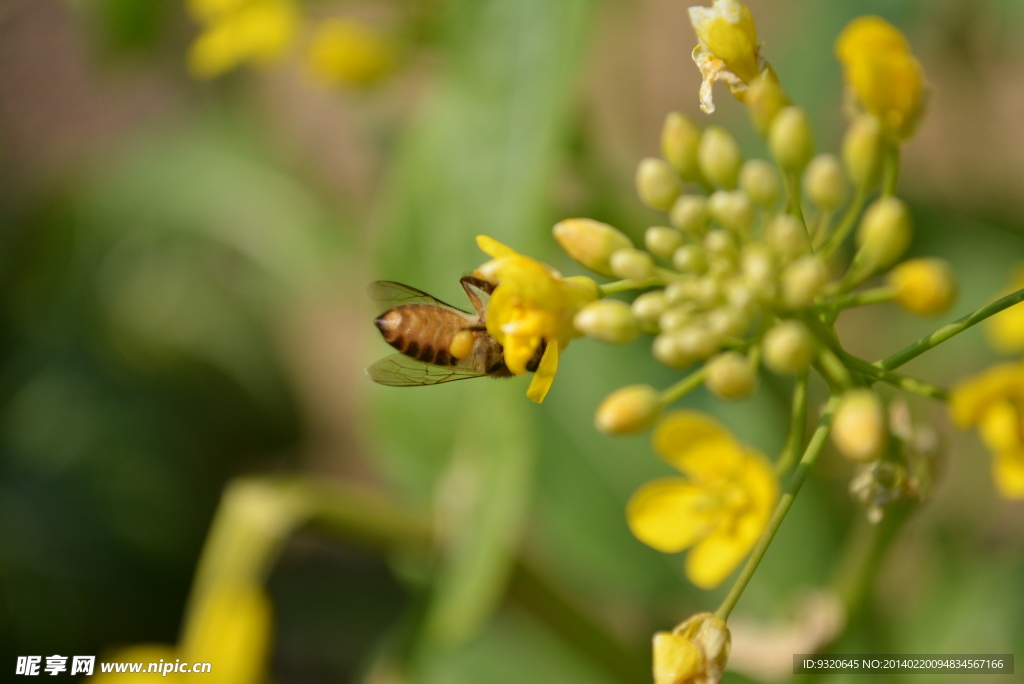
{"x":735,"y":277}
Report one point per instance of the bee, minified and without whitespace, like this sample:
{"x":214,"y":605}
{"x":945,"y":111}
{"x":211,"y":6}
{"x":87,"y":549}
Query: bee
{"x":422,"y":328}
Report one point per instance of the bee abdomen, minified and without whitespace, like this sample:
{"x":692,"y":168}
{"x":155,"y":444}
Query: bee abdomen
{"x":420,"y":332}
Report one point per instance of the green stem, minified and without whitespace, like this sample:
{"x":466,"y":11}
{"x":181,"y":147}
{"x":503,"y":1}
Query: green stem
{"x":835,"y":371}
{"x":792,"y":183}
{"x":811,"y":453}
{"x":905,"y":382}
{"x":878,"y":295}
{"x":684,"y":386}
{"x":892,"y":169}
{"x":846,"y":224}
{"x":797,"y":424}
{"x":947,"y":331}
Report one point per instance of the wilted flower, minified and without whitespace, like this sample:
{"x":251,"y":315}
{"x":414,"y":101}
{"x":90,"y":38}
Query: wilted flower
{"x":695,"y":652}
{"x":728,"y":49}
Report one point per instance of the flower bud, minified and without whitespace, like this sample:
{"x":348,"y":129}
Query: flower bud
{"x":788,"y":348}
{"x":720,"y":243}
{"x":824,"y":182}
{"x":739,"y":295}
{"x":730,"y":376}
{"x":802,"y":281}
{"x":666,"y":351}
{"x":791,"y":140}
{"x":680,"y":137}
{"x":787,"y":237}
{"x":591,"y":243}
{"x":863,"y":147}
{"x":662,"y":241}
{"x":675,"y":318}
{"x":727,"y":321}
{"x":707,"y":291}
{"x":765,"y":98}
{"x":648,"y":307}
{"x":719,"y":157}
{"x":690,"y":214}
{"x":924,"y":286}
{"x":884,"y":233}
{"x":689,"y":259}
{"x":697,"y":342}
{"x":732,"y":210}
{"x":760,"y":181}
{"x":758,"y":267}
{"x":657,"y":183}
{"x":680,"y":291}
{"x":858,"y":426}
{"x":607,"y":320}
{"x":632,"y":264}
{"x":628,"y":411}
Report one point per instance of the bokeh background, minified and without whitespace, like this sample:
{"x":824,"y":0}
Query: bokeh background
{"x":183,"y":266}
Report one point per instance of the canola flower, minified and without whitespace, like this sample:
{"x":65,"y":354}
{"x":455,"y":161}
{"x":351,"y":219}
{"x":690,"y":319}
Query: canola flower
{"x":695,"y":652}
{"x":717,"y":511}
{"x":728,"y":50}
{"x":531,"y":311}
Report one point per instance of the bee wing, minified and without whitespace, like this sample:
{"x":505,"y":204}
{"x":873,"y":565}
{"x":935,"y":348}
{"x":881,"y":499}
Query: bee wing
{"x":479,"y":293}
{"x":389,"y":294}
{"x":399,"y":370}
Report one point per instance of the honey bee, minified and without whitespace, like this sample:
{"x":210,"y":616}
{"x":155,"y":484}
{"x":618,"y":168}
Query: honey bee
{"x":423,"y":328}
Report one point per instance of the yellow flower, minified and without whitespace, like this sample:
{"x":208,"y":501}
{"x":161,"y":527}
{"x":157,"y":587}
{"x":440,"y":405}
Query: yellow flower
{"x":345,"y":51}
{"x":719,"y":509}
{"x":1006,"y":329}
{"x":694,"y":652}
{"x":240,"y":31}
{"x":531,"y":306}
{"x":993,"y":401}
{"x":230,"y":629}
{"x":728,"y":49}
{"x":881,"y":73}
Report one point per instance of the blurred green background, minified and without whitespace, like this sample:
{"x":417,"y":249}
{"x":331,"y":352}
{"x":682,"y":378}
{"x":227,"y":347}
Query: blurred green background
{"x":183,"y":267}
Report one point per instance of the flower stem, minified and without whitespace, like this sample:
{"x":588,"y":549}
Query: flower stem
{"x":811,"y":454}
{"x":892,"y":169}
{"x":797,"y":421}
{"x":684,"y":386}
{"x":912,"y":385}
{"x":947,"y":331}
{"x":878,"y":295}
{"x":846,"y":224}
{"x":791,"y":181}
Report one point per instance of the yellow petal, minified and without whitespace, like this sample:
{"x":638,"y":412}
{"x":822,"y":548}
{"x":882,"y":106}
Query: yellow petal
{"x":493,"y":248}
{"x":717,"y":555}
{"x":545,"y":374}
{"x":1006,"y":329}
{"x":1008,"y":473}
{"x":727,"y":31}
{"x":697,"y":445}
{"x":676,"y":659}
{"x":1000,"y":427}
{"x":670,"y":514}
{"x":971,"y":398}
{"x":231,"y":629}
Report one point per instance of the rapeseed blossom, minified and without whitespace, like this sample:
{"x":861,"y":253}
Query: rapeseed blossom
{"x":728,"y":49}
{"x":694,"y":652}
{"x":532,"y":306}
{"x":718,"y":510}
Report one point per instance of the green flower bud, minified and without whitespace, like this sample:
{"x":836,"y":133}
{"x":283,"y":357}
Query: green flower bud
{"x":732,"y":210}
{"x":719,"y":157}
{"x":662,"y":241}
{"x":721,"y":243}
{"x":696,"y":342}
{"x":727,"y":321}
{"x":680,"y":138}
{"x":787,"y":237}
{"x":607,"y":320}
{"x":708,"y":292}
{"x":680,"y":291}
{"x":730,"y":376}
{"x":657,"y":183}
{"x":591,"y":243}
{"x":802,"y":281}
{"x":760,"y":181}
{"x":788,"y":348}
{"x":632,"y":264}
{"x":758,"y":267}
{"x":926,"y":287}
{"x":824,"y":182}
{"x":690,"y":214}
{"x":863,"y":151}
{"x":884,"y":233}
{"x":765,"y":98}
{"x":676,"y":318}
{"x":628,"y":411}
{"x":791,"y":140}
{"x":648,"y":307}
{"x":739,"y":295}
{"x":690,"y":259}
{"x":859,"y":429}
{"x":666,"y":350}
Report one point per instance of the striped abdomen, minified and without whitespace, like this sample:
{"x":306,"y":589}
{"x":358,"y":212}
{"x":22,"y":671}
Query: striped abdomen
{"x":422,"y":331}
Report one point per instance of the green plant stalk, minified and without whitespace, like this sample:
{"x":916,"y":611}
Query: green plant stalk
{"x":878,"y":295}
{"x":846,"y":224}
{"x":811,"y":453}
{"x":791,"y":181}
{"x":946,"y":332}
{"x":797,"y":423}
{"x":892,"y":169}
{"x":684,"y":386}
{"x":912,"y":385}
